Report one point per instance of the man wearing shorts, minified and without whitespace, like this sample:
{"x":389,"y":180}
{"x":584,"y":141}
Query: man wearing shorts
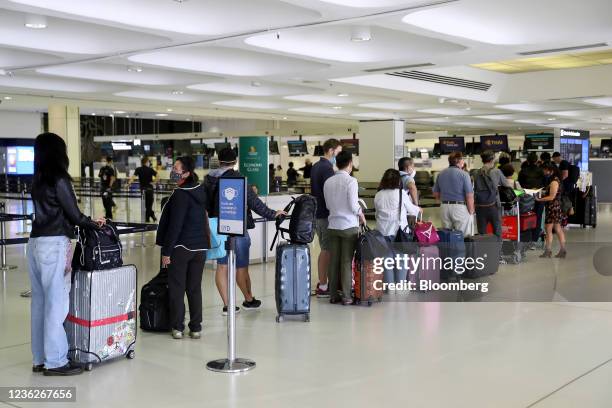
{"x":227,"y":161}
{"x":321,"y":171}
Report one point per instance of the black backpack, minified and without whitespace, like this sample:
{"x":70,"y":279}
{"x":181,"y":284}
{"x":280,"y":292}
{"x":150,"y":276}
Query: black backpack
{"x":573,"y":174}
{"x":97,"y":248}
{"x":526,"y":203}
{"x":484,"y":190}
{"x":155,"y":304}
{"x":302,"y":224}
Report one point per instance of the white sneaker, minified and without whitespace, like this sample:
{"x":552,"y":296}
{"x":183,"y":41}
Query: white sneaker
{"x":177,"y":334}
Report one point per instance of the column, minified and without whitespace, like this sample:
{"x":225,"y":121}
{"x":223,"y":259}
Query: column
{"x":381,"y":145}
{"x":64,"y":120}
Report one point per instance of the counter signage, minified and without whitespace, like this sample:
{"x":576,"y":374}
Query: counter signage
{"x":451,"y":144}
{"x":496,"y":143}
{"x":254,"y":158}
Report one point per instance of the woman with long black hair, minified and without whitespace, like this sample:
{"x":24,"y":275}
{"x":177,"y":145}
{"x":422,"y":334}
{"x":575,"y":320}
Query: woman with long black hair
{"x":184,"y":236}
{"x":55,"y":214}
{"x":555,"y":218}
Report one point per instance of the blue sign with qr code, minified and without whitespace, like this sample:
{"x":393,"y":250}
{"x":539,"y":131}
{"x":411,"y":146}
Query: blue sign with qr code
{"x":232,"y":206}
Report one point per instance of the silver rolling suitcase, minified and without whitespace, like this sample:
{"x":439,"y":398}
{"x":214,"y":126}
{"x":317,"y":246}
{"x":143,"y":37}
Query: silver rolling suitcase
{"x":101,"y":322}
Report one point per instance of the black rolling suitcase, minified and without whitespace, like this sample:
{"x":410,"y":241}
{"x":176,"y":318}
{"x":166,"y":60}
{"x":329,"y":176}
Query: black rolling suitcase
{"x":487,"y":247}
{"x":292,"y":283}
{"x":590,"y":208}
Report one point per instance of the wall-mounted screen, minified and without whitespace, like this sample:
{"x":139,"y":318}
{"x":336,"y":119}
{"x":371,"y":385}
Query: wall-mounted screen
{"x":20,"y":160}
{"x":496,"y":143}
{"x":274,"y":147}
{"x":318,"y":151}
{"x":576,"y":151}
{"x":451,"y":144}
{"x":350,"y":145}
{"x":540,"y":141}
{"x":297,"y":147}
{"x":221,"y":146}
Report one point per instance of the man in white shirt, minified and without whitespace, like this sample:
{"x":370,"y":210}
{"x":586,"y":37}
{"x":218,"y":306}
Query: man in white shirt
{"x":341,"y":198}
{"x":407,"y":173}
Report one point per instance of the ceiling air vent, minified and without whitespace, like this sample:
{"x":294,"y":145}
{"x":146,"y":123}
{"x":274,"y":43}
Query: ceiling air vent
{"x":441,"y":79}
{"x":576,"y":48}
{"x":402,"y":67}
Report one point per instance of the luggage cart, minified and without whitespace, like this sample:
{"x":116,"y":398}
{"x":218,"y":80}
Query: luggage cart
{"x":512,"y":248}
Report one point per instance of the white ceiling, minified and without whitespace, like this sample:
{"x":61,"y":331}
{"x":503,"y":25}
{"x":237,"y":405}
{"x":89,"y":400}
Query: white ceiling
{"x":295,"y":59}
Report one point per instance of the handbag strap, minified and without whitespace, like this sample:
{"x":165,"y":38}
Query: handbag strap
{"x":399,"y":212}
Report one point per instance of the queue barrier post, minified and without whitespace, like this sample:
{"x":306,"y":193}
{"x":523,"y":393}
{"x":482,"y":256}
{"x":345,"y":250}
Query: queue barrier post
{"x":24,"y":210}
{"x":231,"y":364}
{"x":3,"y":266}
{"x":127,"y":207}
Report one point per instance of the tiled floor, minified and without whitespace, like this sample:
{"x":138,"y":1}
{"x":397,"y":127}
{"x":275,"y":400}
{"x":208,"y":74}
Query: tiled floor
{"x":498,"y":354}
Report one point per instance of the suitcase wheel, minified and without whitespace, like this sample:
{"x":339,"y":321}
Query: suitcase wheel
{"x":369,"y":303}
{"x":357,"y":301}
{"x":307,"y":317}
{"x":279,"y":319}
{"x":88,"y":366}
{"x":131,"y":354}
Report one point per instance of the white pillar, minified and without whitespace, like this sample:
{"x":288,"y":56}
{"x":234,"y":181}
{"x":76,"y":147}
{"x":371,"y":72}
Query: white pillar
{"x":64,"y":120}
{"x":381,"y":145}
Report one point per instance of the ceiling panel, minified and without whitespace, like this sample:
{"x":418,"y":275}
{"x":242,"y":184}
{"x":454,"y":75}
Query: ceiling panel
{"x":125,"y":74}
{"x":518,"y":22}
{"x":53,"y":84}
{"x":330,"y":99}
{"x":72,"y":37}
{"x":170,"y":96}
{"x":334,"y":43}
{"x":252,"y":88}
{"x":320,"y":110}
{"x":196,"y":17}
{"x":374,"y":3}
{"x":226,"y":61}
{"x":251,"y":104}
{"x":16,"y":58}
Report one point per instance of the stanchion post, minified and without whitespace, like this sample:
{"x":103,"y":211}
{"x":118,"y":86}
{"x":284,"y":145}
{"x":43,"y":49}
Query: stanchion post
{"x":3,"y":266}
{"x":142,"y":216}
{"x":231,"y":364}
{"x":127,"y":207}
{"x":265,"y":241}
{"x":24,"y":210}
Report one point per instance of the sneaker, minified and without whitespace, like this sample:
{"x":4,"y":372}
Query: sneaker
{"x":66,"y":370}
{"x":195,"y":335}
{"x":322,"y":293}
{"x":176,"y":334}
{"x":39,"y":368}
{"x":253,"y":304}
{"x":224,"y":313}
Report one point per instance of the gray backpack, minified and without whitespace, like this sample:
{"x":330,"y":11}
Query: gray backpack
{"x":485,"y":192}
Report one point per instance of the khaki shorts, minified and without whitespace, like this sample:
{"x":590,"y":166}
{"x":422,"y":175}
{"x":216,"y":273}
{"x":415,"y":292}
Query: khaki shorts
{"x":322,"y":233}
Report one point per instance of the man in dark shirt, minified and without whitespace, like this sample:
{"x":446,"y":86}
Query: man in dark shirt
{"x":107,"y":177}
{"x":321,"y":171}
{"x":306,"y":170}
{"x":146,"y":175}
{"x":532,"y":177}
{"x":292,"y":175}
{"x":562,"y":164}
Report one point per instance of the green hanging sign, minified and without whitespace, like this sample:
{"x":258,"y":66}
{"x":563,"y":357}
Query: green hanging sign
{"x":253,"y":159}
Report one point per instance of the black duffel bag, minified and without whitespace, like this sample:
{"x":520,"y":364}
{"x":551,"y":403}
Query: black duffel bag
{"x":526,"y":203}
{"x":155,"y":304}
{"x":97,"y":248}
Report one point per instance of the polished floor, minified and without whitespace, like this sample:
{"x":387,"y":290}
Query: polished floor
{"x":524,"y":345}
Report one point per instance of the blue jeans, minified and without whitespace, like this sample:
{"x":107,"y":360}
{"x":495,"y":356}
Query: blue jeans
{"x":50,"y":299}
{"x":243,"y":245}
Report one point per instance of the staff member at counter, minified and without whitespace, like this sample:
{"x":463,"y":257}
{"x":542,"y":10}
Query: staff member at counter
{"x":454,"y":188}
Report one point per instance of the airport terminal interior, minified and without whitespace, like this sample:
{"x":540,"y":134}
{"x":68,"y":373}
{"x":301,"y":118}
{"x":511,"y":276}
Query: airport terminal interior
{"x":271,"y":82}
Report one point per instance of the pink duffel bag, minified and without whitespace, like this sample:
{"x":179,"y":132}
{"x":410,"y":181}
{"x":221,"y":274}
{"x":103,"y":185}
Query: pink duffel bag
{"x":425,"y":232}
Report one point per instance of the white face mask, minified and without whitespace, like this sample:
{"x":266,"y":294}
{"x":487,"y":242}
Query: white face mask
{"x":412,"y":173}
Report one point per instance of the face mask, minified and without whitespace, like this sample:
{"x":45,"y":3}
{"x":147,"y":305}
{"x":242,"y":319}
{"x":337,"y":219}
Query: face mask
{"x":333,"y":160}
{"x":412,"y":173}
{"x":174,"y":176}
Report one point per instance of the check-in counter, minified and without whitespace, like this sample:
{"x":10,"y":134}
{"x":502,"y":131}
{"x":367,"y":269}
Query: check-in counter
{"x":601,"y":170}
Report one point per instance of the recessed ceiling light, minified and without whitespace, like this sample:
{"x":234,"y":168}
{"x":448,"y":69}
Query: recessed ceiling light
{"x":169,"y":110}
{"x":134,"y":68}
{"x":552,"y":119}
{"x":285,"y":118}
{"x":336,"y":107}
{"x":468,"y":108}
{"x":127,"y":116}
{"x":255,"y":84}
{"x":177,"y":92}
{"x":361,"y":33}
{"x":93,"y":114}
{"x":35,"y":21}
{"x":342,"y":95}
{"x":118,"y":112}
{"x":161,"y":114}
{"x":7,"y":98}
{"x":180,"y":1}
